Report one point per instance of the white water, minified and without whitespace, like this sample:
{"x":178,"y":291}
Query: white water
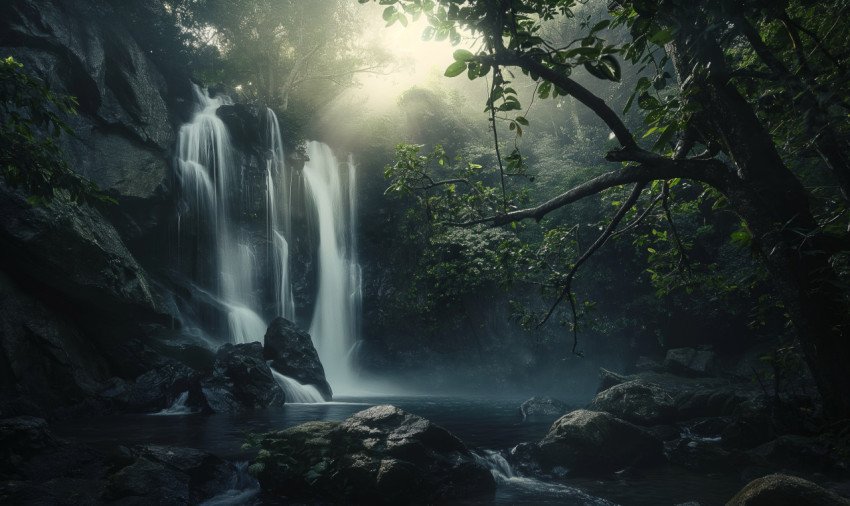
{"x":508,"y":480}
{"x":279,"y":189}
{"x":296,"y":393}
{"x":211,"y":194}
{"x":223,"y":257}
{"x":179,"y":407}
{"x":334,"y":324}
{"x":242,"y":489}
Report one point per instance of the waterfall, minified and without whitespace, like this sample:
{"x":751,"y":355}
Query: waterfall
{"x":296,"y":392}
{"x":221,"y":255}
{"x":218,"y":244}
{"x":279,"y":219}
{"x":334,"y":325}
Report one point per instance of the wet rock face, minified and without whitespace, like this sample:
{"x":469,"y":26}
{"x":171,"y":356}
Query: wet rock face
{"x":241,"y":380}
{"x":593,"y":442}
{"x":381,"y":455}
{"x":637,"y":402}
{"x":72,"y":249}
{"x":784,"y":490}
{"x":543,"y":408}
{"x":81,"y":48}
{"x":690,"y":362}
{"x":292,"y":354}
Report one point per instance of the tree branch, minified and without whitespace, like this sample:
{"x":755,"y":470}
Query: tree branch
{"x":711,"y":172}
{"x":600,"y":241}
{"x":571,"y":87}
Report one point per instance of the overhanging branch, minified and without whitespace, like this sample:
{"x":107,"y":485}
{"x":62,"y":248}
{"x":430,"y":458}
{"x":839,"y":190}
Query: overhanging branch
{"x":707,"y":171}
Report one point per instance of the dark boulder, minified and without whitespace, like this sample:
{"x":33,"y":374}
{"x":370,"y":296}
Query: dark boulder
{"x":592,"y":442}
{"x":708,"y":402}
{"x":798,"y":453}
{"x":158,"y":388}
{"x":608,"y":379}
{"x":701,"y":455}
{"x":170,"y":475}
{"x":241,"y":380}
{"x":21,"y":438}
{"x":381,"y":455}
{"x":784,"y":490}
{"x":637,"y":402}
{"x":38,"y":468}
{"x":543,"y":408}
{"x":292,"y":354}
{"x":46,"y":362}
{"x":690,"y":362}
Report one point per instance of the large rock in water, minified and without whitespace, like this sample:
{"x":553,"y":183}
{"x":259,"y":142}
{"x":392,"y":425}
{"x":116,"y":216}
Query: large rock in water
{"x":591,"y":442}
{"x":381,"y":455}
{"x":637,"y":402}
{"x":241,"y":380}
{"x":292,"y":354}
{"x":784,"y":490}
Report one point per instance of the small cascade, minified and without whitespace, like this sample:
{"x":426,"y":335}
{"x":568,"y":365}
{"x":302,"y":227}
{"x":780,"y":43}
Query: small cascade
{"x":179,"y":407}
{"x":242,"y":489}
{"x":335,"y":316}
{"x":296,"y":392}
{"x":520,"y":488}
{"x":497,"y":464}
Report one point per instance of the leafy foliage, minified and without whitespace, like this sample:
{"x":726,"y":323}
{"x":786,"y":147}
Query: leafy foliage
{"x":31,"y":122}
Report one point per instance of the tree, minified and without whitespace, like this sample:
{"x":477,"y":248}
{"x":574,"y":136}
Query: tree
{"x":273,"y":49}
{"x":710,"y":126}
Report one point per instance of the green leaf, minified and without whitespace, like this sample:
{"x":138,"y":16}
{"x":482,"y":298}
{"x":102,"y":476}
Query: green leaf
{"x":455,"y":69}
{"x":606,"y":68}
{"x":463,"y":55}
{"x":389,"y":13}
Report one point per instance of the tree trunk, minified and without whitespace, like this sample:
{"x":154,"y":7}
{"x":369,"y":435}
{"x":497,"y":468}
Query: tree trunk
{"x":775,"y":206}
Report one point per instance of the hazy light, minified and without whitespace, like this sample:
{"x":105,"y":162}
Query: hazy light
{"x":416,"y":62}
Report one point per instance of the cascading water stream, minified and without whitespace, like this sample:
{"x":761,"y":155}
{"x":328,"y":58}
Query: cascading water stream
{"x":222,"y":256}
{"x":279,"y":220}
{"x":334,"y":325}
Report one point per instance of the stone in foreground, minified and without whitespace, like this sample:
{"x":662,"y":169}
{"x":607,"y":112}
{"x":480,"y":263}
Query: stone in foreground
{"x":591,"y":442}
{"x":381,"y":455}
{"x":785,"y":490}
